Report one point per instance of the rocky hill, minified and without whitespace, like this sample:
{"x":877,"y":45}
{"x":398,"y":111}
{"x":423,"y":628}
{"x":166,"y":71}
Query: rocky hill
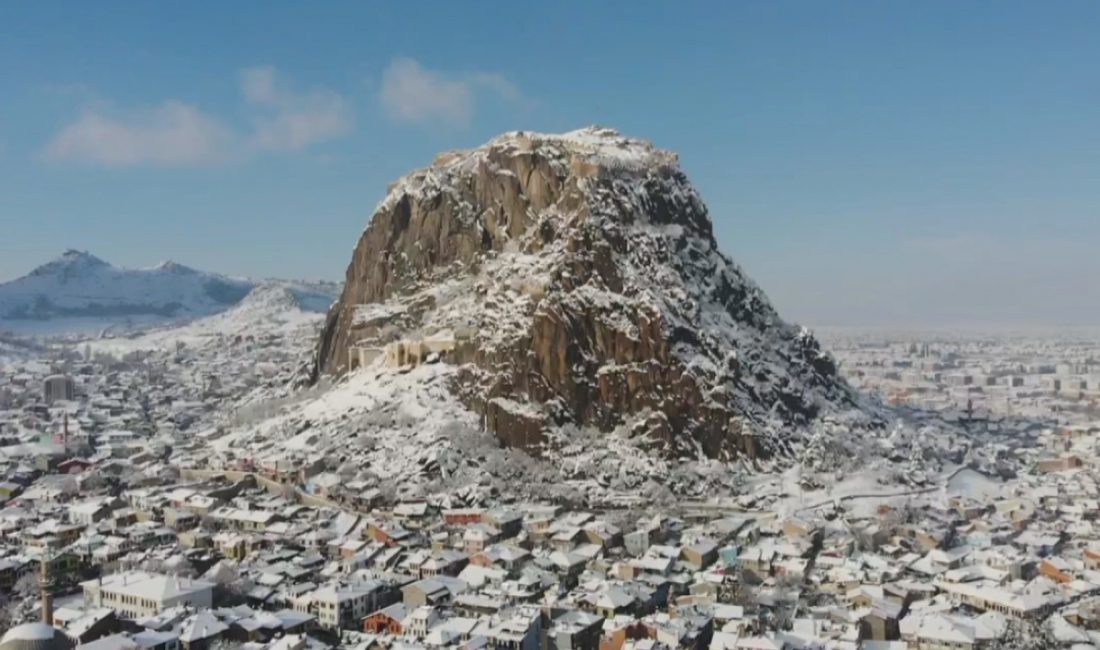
{"x":575,"y":280}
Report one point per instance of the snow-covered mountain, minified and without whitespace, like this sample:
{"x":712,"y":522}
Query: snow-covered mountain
{"x":78,"y":288}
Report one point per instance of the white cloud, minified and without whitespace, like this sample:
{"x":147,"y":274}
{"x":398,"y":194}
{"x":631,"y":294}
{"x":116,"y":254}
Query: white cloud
{"x":290,"y":120}
{"x":173,"y":133}
{"x":258,"y":85}
{"x":501,"y":86}
{"x":176,"y":133}
{"x":412,"y":93}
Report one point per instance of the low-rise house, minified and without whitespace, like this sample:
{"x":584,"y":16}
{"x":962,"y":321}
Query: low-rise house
{"x":250,"y":520}
{"x":520,"y":629}
{"x":425,"y":592}
{"x":936,"y":631}
{"x":508,"y":522}
{"x":462,"y":516}
{"x":201,"y":631}
{"x":388,"y":620}
{"x":90,"y":512}
{"x":443,"y":563}
{"x":345,"y":606}
{"x":987,"y":597}
{"x":419,"y":621}
{"x":574,"y":629}
{"x":505,"y":556}
{"x":478,"y":536}
{"x":637,"y":542}
{"x":603,"y":534}
{"x":700,"y":555}
{"x":757,"y":561}
{"x":137,"y":594}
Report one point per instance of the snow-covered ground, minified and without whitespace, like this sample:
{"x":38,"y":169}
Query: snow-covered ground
{"x":974,"y":485}
{"x":80,"y":327}
{"x":392,"y":422}
{"x":269,"y":309}
{"x":14,"y":348}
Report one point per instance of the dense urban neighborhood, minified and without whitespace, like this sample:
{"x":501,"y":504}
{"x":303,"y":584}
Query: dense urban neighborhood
{"x":119,"y":530}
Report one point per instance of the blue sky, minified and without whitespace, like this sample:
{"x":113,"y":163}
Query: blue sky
{"x":868,"y":163}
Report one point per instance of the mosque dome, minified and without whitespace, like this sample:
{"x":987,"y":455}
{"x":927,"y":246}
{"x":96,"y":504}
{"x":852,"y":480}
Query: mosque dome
{"x":35,"y":636}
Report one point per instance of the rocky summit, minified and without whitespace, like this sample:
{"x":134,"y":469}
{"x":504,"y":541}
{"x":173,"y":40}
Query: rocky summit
{"x":575,"y":279}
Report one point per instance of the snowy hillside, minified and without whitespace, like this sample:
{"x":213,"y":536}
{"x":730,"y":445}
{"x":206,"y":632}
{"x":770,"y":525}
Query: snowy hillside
{"x":13,"y":349}
{"x":78,"y":292}
{"x":269,"y":310}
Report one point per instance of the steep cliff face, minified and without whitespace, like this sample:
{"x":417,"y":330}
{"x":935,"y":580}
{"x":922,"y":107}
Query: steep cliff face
{"x":578,"y":278}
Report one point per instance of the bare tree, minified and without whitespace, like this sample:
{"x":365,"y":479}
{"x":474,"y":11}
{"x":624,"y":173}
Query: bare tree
{"x":1026,"y":635}
{"x":26,"y":585}
{"x":7,"y":613}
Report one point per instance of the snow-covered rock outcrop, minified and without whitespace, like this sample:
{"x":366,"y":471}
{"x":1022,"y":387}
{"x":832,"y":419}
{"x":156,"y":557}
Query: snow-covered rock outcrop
{"x":580,"y":279}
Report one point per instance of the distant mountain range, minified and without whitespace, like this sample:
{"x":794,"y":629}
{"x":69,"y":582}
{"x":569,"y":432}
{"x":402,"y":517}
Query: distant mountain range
{"x":80,"y":286}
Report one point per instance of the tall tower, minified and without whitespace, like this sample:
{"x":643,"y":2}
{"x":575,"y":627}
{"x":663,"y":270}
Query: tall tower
{"x":45,"y":589}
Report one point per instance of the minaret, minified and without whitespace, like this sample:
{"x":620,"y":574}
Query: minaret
{"x":45,"y":591}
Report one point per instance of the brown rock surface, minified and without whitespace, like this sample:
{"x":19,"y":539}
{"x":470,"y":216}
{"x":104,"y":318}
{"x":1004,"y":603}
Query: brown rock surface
{"x":583,"y":273}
